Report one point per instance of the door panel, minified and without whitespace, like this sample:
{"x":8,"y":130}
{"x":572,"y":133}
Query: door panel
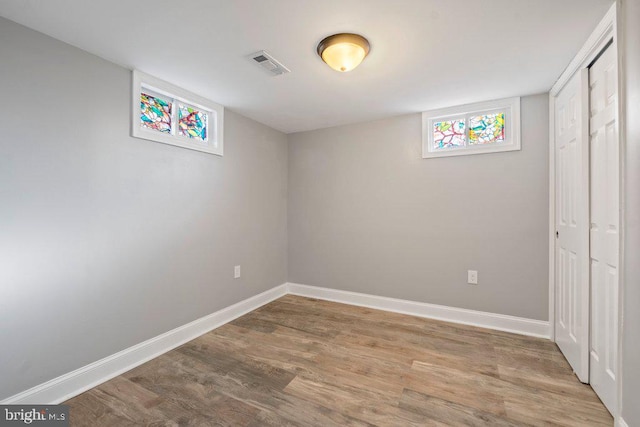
{"x":572,"y":205}
{"x":604,"y":229}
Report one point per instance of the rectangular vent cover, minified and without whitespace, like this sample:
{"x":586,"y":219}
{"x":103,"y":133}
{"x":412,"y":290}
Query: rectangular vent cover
{"x":268,"y":63}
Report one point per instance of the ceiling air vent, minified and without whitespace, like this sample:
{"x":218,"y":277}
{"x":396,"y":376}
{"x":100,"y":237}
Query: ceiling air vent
{"x":269,"y":63}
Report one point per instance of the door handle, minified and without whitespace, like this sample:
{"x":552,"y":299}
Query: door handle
{"x":557,"y":234}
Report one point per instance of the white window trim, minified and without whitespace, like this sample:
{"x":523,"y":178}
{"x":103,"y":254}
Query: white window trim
{"x":511,"y":107}
{"x":215,"y":112}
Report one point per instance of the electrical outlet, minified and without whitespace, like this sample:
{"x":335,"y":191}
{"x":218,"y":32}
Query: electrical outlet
{"x":472,"y":277}
{"x":236,"y":272}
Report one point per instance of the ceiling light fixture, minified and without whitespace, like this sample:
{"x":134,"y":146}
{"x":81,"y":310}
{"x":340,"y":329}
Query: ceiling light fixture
{"x":343,"y":52}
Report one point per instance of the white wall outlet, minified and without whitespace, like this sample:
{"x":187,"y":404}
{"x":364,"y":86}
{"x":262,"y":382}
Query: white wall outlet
{"x":236,"y":272}
{"x":472,"y":277}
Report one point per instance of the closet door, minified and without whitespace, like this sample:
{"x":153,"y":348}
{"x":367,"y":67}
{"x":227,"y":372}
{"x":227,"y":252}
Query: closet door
{"x":604,"y":233}
{"x":572,"y":232}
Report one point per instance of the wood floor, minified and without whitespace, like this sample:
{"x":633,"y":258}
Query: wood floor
{"x":305,"y":362}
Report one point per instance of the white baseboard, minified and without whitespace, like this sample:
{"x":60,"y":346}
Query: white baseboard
{"x":621,"y":423}
{"x":501,"y":322}
{"x":73,"y":383}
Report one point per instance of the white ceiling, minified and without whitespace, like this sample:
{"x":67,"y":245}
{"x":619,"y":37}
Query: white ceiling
{"x":425,"y":54}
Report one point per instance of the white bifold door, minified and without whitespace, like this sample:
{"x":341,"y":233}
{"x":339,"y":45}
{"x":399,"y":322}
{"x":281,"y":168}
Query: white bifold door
{"x":587,"y":159}
{"x":604,"y":233}
{"x":572,"y":228}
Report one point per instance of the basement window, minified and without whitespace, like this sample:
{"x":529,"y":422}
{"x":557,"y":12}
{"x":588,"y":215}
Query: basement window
{"x":485,"y":127}
{"x":165,"y":113}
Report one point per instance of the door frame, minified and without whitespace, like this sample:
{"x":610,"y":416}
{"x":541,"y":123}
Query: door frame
{"x":606,"y":32}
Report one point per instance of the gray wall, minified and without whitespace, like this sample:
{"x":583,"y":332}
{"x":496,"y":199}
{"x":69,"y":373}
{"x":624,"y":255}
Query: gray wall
{"x":630,"y":16}
{"x":108,"y":240}
{"x":368,"y":214}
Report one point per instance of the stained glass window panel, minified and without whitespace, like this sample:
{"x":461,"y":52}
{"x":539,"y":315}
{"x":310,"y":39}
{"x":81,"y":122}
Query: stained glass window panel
{"x":449,"y":134}
{"x":155,"y":113}
{"x":192,"y":123}
{"x":486,"y":129}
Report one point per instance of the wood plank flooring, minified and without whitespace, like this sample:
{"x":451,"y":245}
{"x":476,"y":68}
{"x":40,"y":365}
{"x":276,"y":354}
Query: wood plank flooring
{"x":305,"y":362}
